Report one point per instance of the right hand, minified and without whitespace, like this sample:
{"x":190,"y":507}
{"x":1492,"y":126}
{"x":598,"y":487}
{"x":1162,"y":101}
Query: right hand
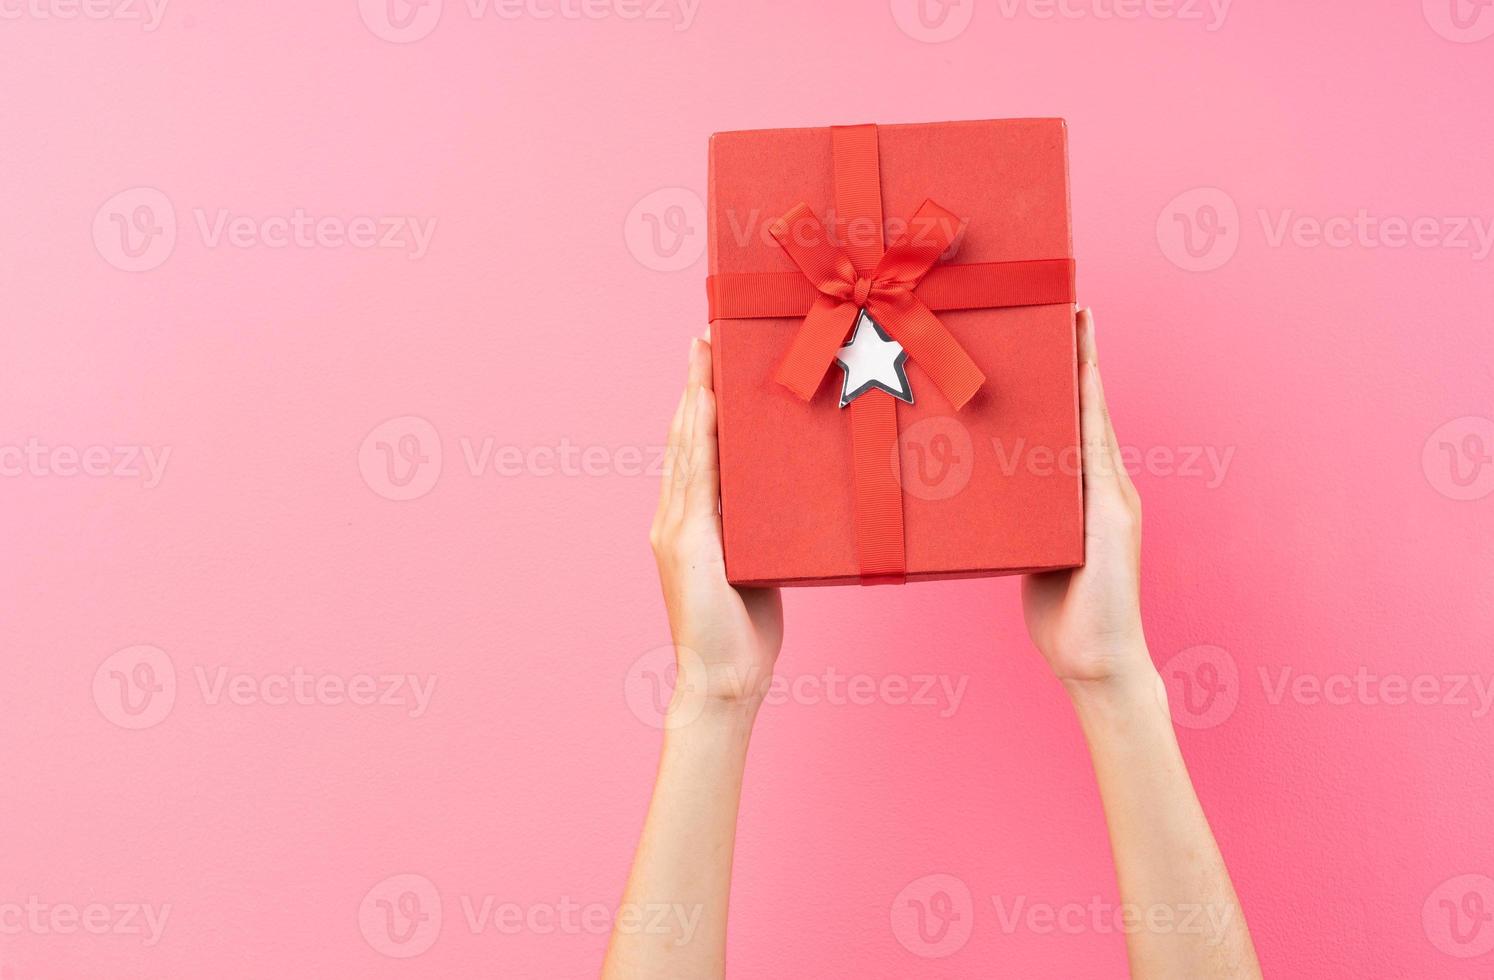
{"x":1087,"y":621}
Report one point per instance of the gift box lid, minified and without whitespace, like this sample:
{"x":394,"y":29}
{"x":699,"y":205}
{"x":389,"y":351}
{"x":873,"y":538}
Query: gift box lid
{"x":1008,"y":178}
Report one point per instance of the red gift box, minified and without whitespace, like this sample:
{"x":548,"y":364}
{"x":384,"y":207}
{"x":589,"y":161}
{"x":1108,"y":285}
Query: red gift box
{"x":954,"y":238}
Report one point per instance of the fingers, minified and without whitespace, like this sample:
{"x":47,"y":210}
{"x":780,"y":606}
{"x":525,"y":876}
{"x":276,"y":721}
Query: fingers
{"x":1085,"y":327}
{"x":1104,"y":466}
{"x":698,"y":457}
{"x":702,"y":491}
{"x":676,"y":470}
{"x":702,"y":349}
{"x":1121,"y":472}
{"x":1089,"y":353}
{"x":698,"y":377}
{"x":685,"y":454}
{"x":681,"y":471}
{"x":1101,"y":458}
{"x":671,"y":469}
{"x":671,"y":453}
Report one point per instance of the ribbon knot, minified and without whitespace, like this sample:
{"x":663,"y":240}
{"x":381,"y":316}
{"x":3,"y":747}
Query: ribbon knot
{"x":886,"y":293}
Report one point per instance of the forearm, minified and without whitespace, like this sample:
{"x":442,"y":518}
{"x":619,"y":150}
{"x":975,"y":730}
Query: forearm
{"x":1182,"y":917}
{"x":677,"y":894}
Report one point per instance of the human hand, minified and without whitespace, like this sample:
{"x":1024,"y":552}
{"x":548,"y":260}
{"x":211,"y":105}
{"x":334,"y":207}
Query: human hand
{"x":1087,"y":621}
{"x":726,"y":639}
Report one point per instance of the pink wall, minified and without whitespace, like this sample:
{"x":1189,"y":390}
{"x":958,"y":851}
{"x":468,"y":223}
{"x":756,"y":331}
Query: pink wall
{"x":1318,"y":575}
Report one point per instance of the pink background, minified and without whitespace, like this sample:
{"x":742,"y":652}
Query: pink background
{"x":543,"y":316}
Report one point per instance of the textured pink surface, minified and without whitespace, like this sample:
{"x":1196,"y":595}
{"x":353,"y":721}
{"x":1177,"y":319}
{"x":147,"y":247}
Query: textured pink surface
{"x":1318,"y":573}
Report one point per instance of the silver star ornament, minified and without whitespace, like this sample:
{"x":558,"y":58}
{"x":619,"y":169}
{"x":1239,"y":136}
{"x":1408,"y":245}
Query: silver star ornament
{"x":872,"y":360}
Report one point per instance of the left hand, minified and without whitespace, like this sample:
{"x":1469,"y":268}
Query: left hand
{"x":726,"y":639}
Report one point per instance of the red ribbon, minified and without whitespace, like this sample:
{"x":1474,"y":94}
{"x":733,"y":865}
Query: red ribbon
{"x":899,"y":289}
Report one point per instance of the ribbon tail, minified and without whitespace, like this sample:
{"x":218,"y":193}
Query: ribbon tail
{"x":929,"y":344}
{"x":878,"y":495}
{"x":814,"y":346}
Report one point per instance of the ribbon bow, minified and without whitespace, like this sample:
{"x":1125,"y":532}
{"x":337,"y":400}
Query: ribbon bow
{"x":886,"y":293}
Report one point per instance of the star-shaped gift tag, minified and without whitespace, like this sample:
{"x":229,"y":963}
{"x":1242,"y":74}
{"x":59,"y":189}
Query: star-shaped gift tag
{"x":872,"y":360}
